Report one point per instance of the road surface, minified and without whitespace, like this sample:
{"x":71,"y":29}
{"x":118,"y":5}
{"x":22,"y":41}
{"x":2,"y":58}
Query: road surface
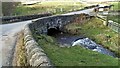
{"x":8,"y":38}
{"x":86,"y":11}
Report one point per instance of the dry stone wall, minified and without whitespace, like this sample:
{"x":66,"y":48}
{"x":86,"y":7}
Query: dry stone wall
{"x":35,"y":54}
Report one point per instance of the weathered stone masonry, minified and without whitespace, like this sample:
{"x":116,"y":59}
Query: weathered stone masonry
{"x":41,"y":25}
{"x":35,"y":54}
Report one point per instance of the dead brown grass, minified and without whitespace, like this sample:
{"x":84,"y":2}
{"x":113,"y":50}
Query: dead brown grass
{"x":20,"y":53}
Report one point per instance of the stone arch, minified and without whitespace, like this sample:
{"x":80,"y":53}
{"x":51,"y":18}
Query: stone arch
{"x":53,"y":30}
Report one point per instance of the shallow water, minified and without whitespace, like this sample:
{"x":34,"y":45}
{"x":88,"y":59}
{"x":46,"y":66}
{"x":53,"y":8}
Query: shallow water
{"x":64,"y":38}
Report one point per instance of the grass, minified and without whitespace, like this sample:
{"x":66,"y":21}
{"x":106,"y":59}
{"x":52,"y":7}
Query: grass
{"x":72,"y":56}
{"x":116,"y":5}
{"x":115,"y":18}
{"x":44,"y":7}
{"x":20,"y":55}
{"x":95,"y":30}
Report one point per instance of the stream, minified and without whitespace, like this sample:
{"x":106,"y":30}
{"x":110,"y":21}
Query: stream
{"x":71,"y":40}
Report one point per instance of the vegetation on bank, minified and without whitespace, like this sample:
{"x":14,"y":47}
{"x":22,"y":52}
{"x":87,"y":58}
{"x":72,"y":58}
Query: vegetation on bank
{"x":48,"y":7}
{"x":20,"y":58}
{"x":72,"y":56}
{"x":115,"y":18}
{"x":95,"y":30}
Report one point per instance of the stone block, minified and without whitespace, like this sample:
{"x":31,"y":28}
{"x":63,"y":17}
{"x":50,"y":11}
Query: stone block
{"x":27,"y":33}
{"x":34,"y":58}
{"x":28,"y":38}
{"x":30,"y":47}
{"x":35,"y":50}
{"x":41,"y":60}
{"x":30,"y":42}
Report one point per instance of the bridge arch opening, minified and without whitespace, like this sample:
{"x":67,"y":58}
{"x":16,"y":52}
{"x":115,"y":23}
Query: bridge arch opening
{"x":53,"y":31}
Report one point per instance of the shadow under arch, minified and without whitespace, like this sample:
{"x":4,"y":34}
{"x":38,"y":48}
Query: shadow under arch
{"x":53,"y":31}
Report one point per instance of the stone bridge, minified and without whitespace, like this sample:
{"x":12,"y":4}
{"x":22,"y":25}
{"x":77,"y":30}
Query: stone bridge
{"x":43,"y":25}
{"x":35,"y":54}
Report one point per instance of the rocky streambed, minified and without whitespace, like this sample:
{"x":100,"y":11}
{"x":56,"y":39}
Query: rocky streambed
{"x":65,"y":39}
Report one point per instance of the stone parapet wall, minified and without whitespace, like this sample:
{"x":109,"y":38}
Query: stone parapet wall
{"x":35,"y":54}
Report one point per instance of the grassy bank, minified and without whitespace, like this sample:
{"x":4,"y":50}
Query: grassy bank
{"x":72,"y":56}
{"x":95,"y":30}
{"x":115,"y":18}
{"x":56,"y":7}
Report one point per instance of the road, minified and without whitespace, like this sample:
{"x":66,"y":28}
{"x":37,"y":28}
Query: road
{"x":86,"y":11}
{"x":8,"y":35}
